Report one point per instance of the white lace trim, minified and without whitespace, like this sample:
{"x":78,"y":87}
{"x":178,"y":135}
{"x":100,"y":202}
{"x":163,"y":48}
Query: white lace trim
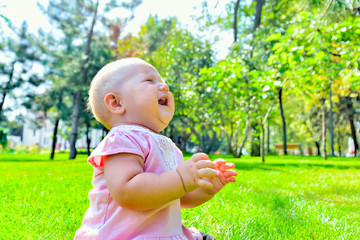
{"x":164,"y":143}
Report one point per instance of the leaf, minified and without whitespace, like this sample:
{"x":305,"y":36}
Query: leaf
{"x":319,"y":55}
{"x":273,"y":37}
{"x":292,"y":60}
{"x":278,"y":46}
{"x":271,"y":59}
{"x":283,"y":57}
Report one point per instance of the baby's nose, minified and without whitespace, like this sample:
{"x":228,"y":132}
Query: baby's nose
{"x":164,"y":87}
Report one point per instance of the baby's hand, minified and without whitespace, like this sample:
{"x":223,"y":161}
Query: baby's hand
{"x":197,"y":172}
{"x":224,"y":177}
{"x":222,"y":165}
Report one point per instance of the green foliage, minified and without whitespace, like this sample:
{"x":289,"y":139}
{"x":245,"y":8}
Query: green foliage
{"x":185,"y":50}
{"x":21,"y":54}
{"x":298,"y":48}
{"x":328,"y":52}
{"x":303,"y":47}
{"x":179,"y":56}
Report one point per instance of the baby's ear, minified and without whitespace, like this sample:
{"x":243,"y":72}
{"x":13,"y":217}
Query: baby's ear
{"x":113,"y":103}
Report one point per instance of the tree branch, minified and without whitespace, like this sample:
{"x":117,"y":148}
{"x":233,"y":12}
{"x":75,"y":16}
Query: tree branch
{"x":324,"y":13}
{"x":268,"y":113}
{"x":235,"y":19}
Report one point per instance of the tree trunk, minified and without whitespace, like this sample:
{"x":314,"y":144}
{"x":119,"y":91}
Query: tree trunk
{"x":2,"y":101}
{"x":317,"y":143}
{"x":74,"y":124}
{"x":237,"y":152}
{"x":268,"y":139}
{"x":199,"y":137}
{"x":350,"y":115}
{"x":54,"y":138}
{"x":259,"y":7}
{"x":247,"y":129}
{"x":7,"y":85}
{"x":283,"y":121}
{"x":255,"y":142}
{"x":88,"y":139}
{"x":211,"y":143}
{"x":262,"y":138}
{"x":229,"y":144}
{"x":339,"y":142}
{"x":235,"y":19}
{"x":202,"y":140}
{"x":323,"y":128}
{"x":78,"y":98}
{"x":251,"y":140}
{"x":331,"y":123}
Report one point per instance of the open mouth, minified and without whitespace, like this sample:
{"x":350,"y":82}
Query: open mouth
{"x":163,"y":101}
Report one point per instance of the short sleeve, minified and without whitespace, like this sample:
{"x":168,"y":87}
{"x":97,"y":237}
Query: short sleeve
{"x":179,"y":154}
{"x":119,"y":142}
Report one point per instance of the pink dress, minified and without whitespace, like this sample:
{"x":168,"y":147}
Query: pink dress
{"x":105,"y":219}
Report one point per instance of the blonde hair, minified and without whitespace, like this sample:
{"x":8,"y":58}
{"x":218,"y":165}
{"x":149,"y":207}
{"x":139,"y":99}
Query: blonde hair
{"x":103,"y":83}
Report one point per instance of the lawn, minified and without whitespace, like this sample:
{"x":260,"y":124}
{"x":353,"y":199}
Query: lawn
{"x":288,"y":197}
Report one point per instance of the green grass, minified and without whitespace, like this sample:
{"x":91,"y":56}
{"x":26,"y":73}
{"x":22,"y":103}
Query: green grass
{"x":286,"y":198}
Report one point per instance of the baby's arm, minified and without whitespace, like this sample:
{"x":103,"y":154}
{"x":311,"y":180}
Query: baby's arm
{"x":131,"y":187}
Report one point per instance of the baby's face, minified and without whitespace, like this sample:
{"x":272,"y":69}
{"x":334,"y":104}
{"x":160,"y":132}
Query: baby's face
{"x":146,"y":97}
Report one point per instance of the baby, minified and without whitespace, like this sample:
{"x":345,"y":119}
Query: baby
{"x":140,"y":179}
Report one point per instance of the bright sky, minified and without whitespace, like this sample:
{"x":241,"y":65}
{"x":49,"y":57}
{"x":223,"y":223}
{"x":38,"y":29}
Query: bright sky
{"x":19,"y":10}
{"x":27,"y":10}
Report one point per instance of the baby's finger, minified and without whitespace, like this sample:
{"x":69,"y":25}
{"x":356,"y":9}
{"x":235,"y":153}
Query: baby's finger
{"x":219,"y":162}
{"x":205,"y":184}
{"x":229,"y":165}
{"x":205,"y":164}
{"x":231,"y":179}
{"x":230,"y":173}
{"x":200,"y":156}
{"x":206,"y":172}
{"x":226,"y":166}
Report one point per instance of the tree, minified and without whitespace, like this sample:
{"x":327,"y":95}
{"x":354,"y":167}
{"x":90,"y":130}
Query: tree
{"x":309,"y":48}
{"x":84,"y":79}
{"x":17,"y":71}
{"x":179,"y":56}
{"x":72,"y":20}
{"x":257,"y":20}
{"x":185,"y":50}
{"x":320,"y":47}
{"x":239,"y":97}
